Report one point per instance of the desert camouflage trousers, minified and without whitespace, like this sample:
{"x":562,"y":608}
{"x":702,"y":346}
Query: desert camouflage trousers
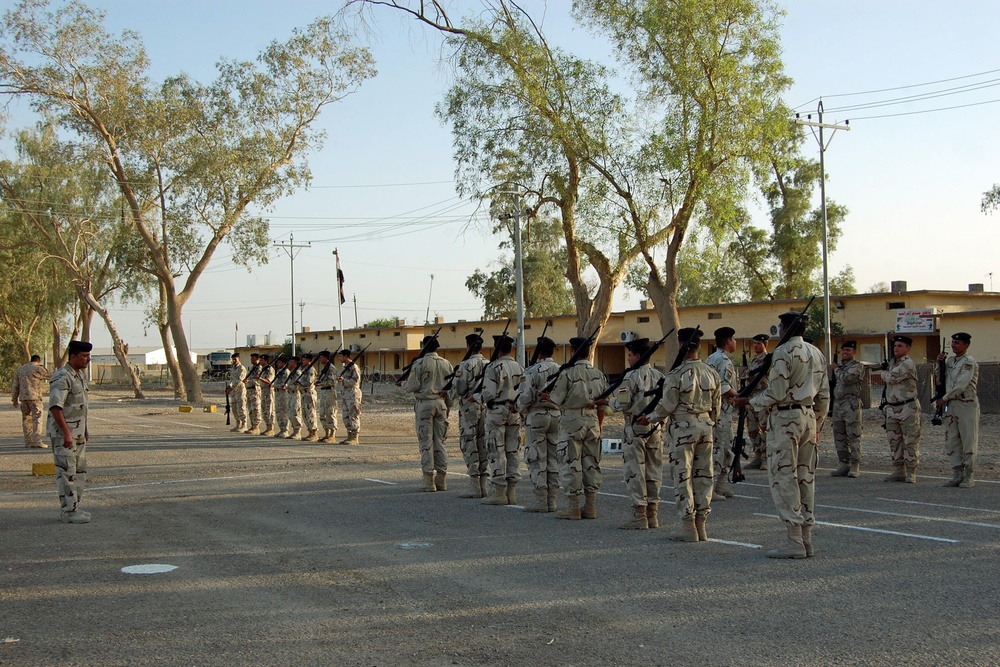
{"x":961,"y":433}
{"x":31,"y":422}
{"x":689,"y":444}
{"x":327,"y":408}
{"x":756,"y":430}
{"x":503,"y":444}
{"x":294,"y":410}
{"x":253,"y":405}
{"x":722,"y":441}
{"x":310,"y":419}
{"x":71,"y":472}
{"x":281,"y":410}
{"x":350,"y":409}
{"x":579,"y":452}
{"x":267,"y":407}
{"x":472,"y":437}
{"x":541,"y":447}
{"x":902,"y":428}
{"x":238,"y":404}
{"x":847,"y":429}
{"x":431,"y":421}
{"x":643,"y":469}
{"x":792,"y":455}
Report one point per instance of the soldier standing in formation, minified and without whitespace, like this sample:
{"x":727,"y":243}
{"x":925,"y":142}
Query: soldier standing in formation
{"x":306,"y":384}
{"x":68,"y":431}
{"x":236,"y":391}
{"x":722,"y":453}
{"x":541,"y":429}
{"x":265,"y":379}
{"x":579,"y":432}
{"x":350,"y":397}
{"x":426,"y":382}
{"x":471,"y":417}
{"x":503,"y":424}
{"x":849,"y":374}
{"x":294,"y":400}
{"x":961,"y":417}
{"x":642,"y":448}
{"x":902,"y":412}
{"x":27,"y":393}
{"x":253,"y":394}
{"x":692,"y":401}
{"x":756,"y":424}
{"x":798,"y":396}
{"x":326,"y":396}
{"x":280,"y":397}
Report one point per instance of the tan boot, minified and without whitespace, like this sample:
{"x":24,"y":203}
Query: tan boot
{"x":652,"y":515}
{"x":540,"y":503}
{"x":807,"y":541}
{"x":511,"y":493}
{"x":687,"y":533}
{"x":756,"y":463}
{"x":439,"y":481}
{"x":700,"y":521}
{"x":897,"y":474}
{"x":572,"y":509}
{"x":269,"y":431}
{"x":854,"y":469}
{"x":498,"y":495}
{"x":589,"y":509}
{"x":911,"y":474}
{"x":253,"y":430}
{"x":722,"y":488}
{"x":235,"y":429}
{"x":967,"y":481}
{"x":638,"y":520}
{"x":795,"y":548}
{"x":956,"y":476}
{"x":428,"y":485}
{"x":313,"y":436}
{"x":484,"y":486}
{"x":474,"y":491}
{"x":553,"y":496}
{"x":352,"y":438}
{"x":842,"y":469}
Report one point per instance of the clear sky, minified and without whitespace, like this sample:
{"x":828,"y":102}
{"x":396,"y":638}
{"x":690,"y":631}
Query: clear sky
{"x":382,"y":186}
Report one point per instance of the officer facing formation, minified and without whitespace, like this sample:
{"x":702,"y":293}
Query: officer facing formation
{"x":350,"y":398}
{"x":722,"y":453}
{"x":426,"y":382}
{"x":236,"y":391}
{"x":27,"y":393}
{"x":541,"y":429}
{"x":503,"y":424}
{"x":756,"y":421}
{"x":902,"y":412}
{"x":961,"y":411}
{"x":471,"y":417}
{"x":849,"y":374}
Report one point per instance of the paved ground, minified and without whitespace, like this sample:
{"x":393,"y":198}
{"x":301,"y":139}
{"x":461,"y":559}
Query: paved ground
{"x":291,"y":553}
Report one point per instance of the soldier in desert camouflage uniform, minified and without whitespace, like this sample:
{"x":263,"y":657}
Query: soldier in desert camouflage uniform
{"x":849,"y":373}
{"x":756,"y":425}
{"x":266,"y":379}
{"x":961,"y":417}
{"x":350,"y":397}
{"x":426,"y":382}
{"x":280,"y":397}
{"x":68,"y":431}
{"x":293,"y":398}
{"x":691,"y":400}
{"x":642,"y":448}
{"x":541,"y":429}
{"x":28,"y":393}
{"x":236,"y":391}
{"x":798,"y":396}
{"x":253,"y":394}
{"x":306,"y":384}
{"x":902,"y":412}
{"x":579,"y":446}
{"x":326,"y":396}
{"x":471,"y":418}
{"x":503,"y":424}
{"x":722,"y":438}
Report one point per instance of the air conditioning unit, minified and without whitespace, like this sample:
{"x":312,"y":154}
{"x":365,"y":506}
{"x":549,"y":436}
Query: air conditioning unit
{"x":773,"y":331}
{"x":628,"y":336}
{"x":354,"y":347}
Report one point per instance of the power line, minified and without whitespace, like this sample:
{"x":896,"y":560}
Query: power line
{"x":914,"y":85}
{"x":918,"y":98}
{"x":914,"y":113}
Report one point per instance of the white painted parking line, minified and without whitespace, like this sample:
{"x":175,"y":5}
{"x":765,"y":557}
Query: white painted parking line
{"x":381,"y":481}
{"x":748,"y":545}
{"x":955,"y":507}
{"x":612,"y":495}
{"x":875,"y":530}
{"x":978,"y":524}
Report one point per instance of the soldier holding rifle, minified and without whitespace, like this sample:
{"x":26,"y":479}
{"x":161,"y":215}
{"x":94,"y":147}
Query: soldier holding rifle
{"x":722,"y":454}
{"x":236,"y":391}
{"x":541,"y":428}
{"x":350,"y":397}
{"x":902,"y":412}
{"x":326,"y":396}
{"x":961,"y":417}
{"x":757,"y":421}
{"x":425,"y":379}
{"x":503,"y":423}
{"x":471,"y":416}
{"x":253,"y":394}
{"x":849,"y":373}
{"x":266,"y":380}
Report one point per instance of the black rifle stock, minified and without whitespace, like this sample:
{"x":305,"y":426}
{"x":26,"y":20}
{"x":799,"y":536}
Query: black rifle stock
{"x":494,"y":355}
{"x":228,"y":409}
{"x":657,"y":391}
{"x":940,"y":388}
{"x":534,"y":355}
{"x":833,"y":383}
{"x":420,"y":355}
{"x":353,"y":360}
{"x":641,"y":361}
{"x":885,"y":386}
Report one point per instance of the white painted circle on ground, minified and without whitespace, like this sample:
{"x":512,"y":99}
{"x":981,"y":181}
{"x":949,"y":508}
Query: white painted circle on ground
{"x":414,"y":545}
{"x":151,"y":568}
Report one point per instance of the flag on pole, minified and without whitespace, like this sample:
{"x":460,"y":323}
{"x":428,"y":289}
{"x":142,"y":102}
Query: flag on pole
{"x":340,"y":279}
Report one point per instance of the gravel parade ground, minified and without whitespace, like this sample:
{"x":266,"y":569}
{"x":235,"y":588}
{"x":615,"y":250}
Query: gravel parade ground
{"x":295,"y":553}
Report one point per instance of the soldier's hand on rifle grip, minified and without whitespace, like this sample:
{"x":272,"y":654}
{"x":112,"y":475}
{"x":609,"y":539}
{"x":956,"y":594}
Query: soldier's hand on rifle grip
{"x":544,"y":396}
{"x":642,"y":420}
{"x":740,"y":402}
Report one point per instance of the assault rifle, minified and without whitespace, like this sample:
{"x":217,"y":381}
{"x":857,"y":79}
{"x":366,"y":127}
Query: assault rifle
{"x":228,"y":409}
{"x":657,"y":391}
{"x":351,"y":362}
{"x":468,"y":355}
{"x":420,"y":355}
{"x":939,"y":388}
{"x":833,"y":383}
{"x":577,"y":355}
{"x":739,"y":442}
{"x":885,"y":386}
{"x":329,"y":365}
{"x":481,"y":380}
{"x":643,"y":359}
{"x":534,"y":355}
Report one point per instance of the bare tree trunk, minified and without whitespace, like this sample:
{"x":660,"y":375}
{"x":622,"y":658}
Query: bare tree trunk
{"x":168,"y":347}
{"x":117,"y":346}
{"x":189,"y":372}
{"x":663,"y":289}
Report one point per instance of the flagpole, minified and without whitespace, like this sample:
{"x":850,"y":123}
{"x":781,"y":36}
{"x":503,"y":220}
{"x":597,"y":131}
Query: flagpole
{"x":340,"y":300}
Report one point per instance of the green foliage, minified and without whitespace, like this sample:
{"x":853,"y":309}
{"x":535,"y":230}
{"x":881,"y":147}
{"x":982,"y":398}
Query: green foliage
{"x":991,"y":200}
{"x":814,"y":327}
{"x":381,"y":323}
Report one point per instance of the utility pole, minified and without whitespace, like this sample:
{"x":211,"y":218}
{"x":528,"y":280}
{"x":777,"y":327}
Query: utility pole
{"x":355,"y":310}
{"x":302,"y":316}
{"x":822,"y":197}
{"x":427,"y":315}
{"x":291,"y":249}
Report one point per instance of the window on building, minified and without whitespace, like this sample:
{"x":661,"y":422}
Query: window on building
{"x":527,"y":326}
{"x":642,"y":320}
{"x":362,"y":335}
{"x":895,"y":305}
{"x":715,"y":316}
{"x":395,"y":333}
{"x":396,"y":361}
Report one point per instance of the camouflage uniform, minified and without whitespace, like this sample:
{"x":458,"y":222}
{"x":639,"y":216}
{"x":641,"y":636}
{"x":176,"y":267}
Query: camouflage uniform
{"x":350,"y":398}
{"x":642,"y":449}
{"x":326,"y":395}
{"x":253,"y":397}
{"x":847,"y":411}
{"x":28,"y":390}
{"x":722,"y":436}
{"x":281,"y":401}
{"x":238,"y":395}
{"x":426,"y":381}
{"x":68,"y":391}
{"x":266,"y":382}
{"x":503,"y":425}
{"x":541,"y":429}
{"x":293,"y":396}
{"x":961,"y":417}
{"x":306,"y":384}
{"x":756,"y":421}
{"x":579,"y":446}
{"x":692,"y":400}
{"x":902,"y":414}
{"x":471,"y":416}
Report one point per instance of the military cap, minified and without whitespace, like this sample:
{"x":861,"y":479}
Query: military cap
{"x":295,"y":358}
{"x":761,"y":338}
{"x":578,"y":341}
{"x":78,"y":346}
{"x":724,"y":333}
{"x":473,"y":339}
{"x":325,"y":354}
{"x":499,"y":338}
{"x":307,"y":355}
{"x":899,"y":338}
{"x":281,"y":360}
{"x":688,"y":334}
{"x":266,"y":357}
{"x":852,"y":344}
{"x":254,"y":354}
{"x":637,"y":346}
{"x":430,"y":342}
{"x":346,"y":352}
{"x":790,"y":316}
{"x":546,"y":345}
{"x":962,"y":336}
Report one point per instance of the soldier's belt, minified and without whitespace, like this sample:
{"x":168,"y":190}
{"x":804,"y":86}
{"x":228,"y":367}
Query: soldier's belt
{"x":324,"y":388}
{"x":690,"y":414}
{"x":896,"y":405}
{"x":494,"y":404}
{"x":794,"y":407}
{"x":580,"y":410}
